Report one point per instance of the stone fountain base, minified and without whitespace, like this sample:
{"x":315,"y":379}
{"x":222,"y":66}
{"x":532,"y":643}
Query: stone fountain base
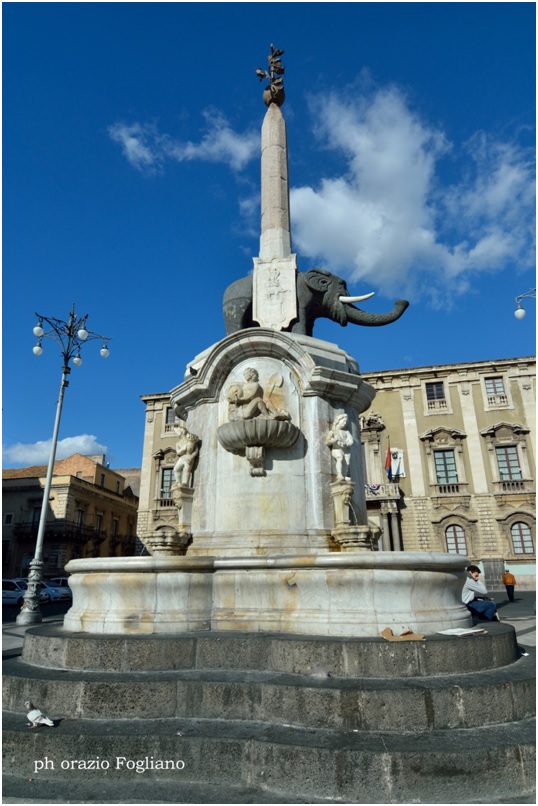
{"x":331,"y":594}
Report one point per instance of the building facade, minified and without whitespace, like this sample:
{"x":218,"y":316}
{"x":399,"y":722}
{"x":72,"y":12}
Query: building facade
{"x":462,"y":463}
{"x":460,"y":475}
{"x":92,"y":512}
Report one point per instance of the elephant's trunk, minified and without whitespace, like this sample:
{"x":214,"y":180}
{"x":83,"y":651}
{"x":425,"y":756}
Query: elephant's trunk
{"x":358,"y":317}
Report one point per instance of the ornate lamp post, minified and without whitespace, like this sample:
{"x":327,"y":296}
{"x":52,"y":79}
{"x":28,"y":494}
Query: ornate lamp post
{"x":70,"y":336}
{"x":520,"y":311}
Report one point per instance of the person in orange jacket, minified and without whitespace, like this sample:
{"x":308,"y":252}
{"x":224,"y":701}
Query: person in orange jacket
{"x":509,"y":582}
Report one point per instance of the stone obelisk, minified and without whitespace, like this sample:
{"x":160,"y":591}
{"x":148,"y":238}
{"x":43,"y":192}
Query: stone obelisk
{"x":274,"y":295}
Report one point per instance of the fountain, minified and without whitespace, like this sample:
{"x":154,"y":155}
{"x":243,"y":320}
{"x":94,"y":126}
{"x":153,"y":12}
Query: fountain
{"x":255,"y":623}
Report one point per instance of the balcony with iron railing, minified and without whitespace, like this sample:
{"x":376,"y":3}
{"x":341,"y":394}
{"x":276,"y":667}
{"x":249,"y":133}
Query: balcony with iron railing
{"x":61,"y":530}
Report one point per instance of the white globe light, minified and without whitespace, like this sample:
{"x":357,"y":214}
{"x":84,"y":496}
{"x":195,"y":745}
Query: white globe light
{"x":82,"y":334}
{"x":104,"y":351}
{"x":38,"y":349}
{"x":77,"y":361}
{"x":520,"y":312}
{"x":38,"y":331}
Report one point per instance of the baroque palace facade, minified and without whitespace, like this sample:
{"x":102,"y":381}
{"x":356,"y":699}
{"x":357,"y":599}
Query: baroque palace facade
{"x":462,"y":460}
{"x":92,"y":512}
{"x":462,"y":463}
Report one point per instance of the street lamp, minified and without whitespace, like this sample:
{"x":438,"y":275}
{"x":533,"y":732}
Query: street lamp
{"x":520,"y":311}
{"x":70,"y":336}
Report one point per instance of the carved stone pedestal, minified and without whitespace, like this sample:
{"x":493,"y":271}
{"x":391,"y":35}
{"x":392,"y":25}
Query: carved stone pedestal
{"x":342,"y":494}
{"x":169,"y":539}
{"x":347,"y":533}
{"x":166,"y":541}
{"x":351,"y":538}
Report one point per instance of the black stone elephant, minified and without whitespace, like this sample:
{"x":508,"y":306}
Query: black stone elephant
{"x":318,"y":296}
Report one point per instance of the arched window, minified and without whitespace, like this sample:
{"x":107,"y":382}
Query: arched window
{"x":522,"y":538}
{"x":455,"y":540}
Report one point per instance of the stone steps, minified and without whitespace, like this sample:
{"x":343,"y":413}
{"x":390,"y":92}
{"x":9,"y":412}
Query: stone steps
{"x":51,"y":646}
{"x":411,"y":704}
{"x":320,"y":764}
{"x":260,"y":718}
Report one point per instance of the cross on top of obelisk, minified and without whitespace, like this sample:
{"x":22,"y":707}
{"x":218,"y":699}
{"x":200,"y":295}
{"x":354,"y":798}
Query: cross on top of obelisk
{"x":274,"y":92}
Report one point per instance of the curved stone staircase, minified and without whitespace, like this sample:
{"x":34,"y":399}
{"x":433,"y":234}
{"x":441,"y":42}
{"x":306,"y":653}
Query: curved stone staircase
{"x":261,"y":718}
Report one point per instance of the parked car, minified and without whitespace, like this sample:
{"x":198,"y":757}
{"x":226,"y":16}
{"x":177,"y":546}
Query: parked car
{"x":57,"y":593}
{"x":59,"y":582}
{"x":13,"y":591}
{"x":51,"y":593}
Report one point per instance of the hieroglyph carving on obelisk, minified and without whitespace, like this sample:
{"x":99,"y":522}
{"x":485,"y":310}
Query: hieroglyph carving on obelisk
{"x":274,"y":287}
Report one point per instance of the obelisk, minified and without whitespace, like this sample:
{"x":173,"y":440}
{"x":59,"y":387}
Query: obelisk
{"x":274,"y":295}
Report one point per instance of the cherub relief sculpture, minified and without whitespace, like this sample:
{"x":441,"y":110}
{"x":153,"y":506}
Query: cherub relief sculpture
{"x":340,"y":440}
{"x":248,"y":400}
{"x":256,"y":419}
{"x":187,"y":449}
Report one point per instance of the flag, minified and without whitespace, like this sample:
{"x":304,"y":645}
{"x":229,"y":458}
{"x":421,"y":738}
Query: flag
{"x":388,"y":464}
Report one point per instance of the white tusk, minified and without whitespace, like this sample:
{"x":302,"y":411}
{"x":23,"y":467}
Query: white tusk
{"x":356,"y":299}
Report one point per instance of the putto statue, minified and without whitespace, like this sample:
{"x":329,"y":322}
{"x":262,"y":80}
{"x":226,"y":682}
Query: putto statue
{"x":340,"y":440}
{"x":248,"y":400}
{"x":187,"y":449}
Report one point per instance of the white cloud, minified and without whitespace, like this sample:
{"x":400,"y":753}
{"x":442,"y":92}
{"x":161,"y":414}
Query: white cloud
{"x":38,"y":453}
{"x":136,"y":142}
{"x":146,"y":149}
{"x":389,"y":222}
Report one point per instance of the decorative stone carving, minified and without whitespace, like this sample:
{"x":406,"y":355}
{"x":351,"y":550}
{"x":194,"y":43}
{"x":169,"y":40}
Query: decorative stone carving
{"x":340,"y":440}
{"x":248,"y":400}
{"x":187,"y":449}
{"x":353,"y":538}
{"x":256,"y":422}
{"x":274,"y":299}
{"x":372,"y":422}
{"x":167,"y":541}
{"x":349,"y":535}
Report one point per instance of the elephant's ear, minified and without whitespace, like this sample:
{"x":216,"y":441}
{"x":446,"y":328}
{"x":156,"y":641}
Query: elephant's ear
{"x":318,"y":279}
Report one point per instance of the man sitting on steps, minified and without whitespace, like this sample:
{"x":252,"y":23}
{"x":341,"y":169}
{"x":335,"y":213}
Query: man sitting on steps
{"x":475,"y":596}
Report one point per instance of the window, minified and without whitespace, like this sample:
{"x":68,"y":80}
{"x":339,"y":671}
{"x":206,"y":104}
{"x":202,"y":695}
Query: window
{"x":166,"y":482}
{"x":115,"y":524}
{"x":80,"y":517}
{"x":508,"y":462}
{"x":455,"y":540}
{"x":170,"y":416}
{"x":102,"y":481}
{"x":435,"y":395}
{"x":118,"y":487}
{"x":522,"y":538}
{"x":445,"y":467}
{"x":36,"y":514}
{"x":495,"y":391}
{"x":435,"y":391}
{"x":98,"y":522}
{"x":8,"y":518}
{"x":170,"y":420}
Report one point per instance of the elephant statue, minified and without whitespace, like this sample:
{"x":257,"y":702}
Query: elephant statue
{"x":320,"y":294}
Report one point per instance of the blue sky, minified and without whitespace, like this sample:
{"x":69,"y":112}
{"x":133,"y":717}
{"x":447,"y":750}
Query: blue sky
{"x":131,"y":187}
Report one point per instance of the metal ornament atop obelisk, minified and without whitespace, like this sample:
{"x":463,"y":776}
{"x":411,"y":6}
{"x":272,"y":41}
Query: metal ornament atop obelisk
{"x":274,"y":287}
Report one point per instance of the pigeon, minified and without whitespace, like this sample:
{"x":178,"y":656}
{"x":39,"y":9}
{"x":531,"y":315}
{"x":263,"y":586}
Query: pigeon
{"x":35,"y":717}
